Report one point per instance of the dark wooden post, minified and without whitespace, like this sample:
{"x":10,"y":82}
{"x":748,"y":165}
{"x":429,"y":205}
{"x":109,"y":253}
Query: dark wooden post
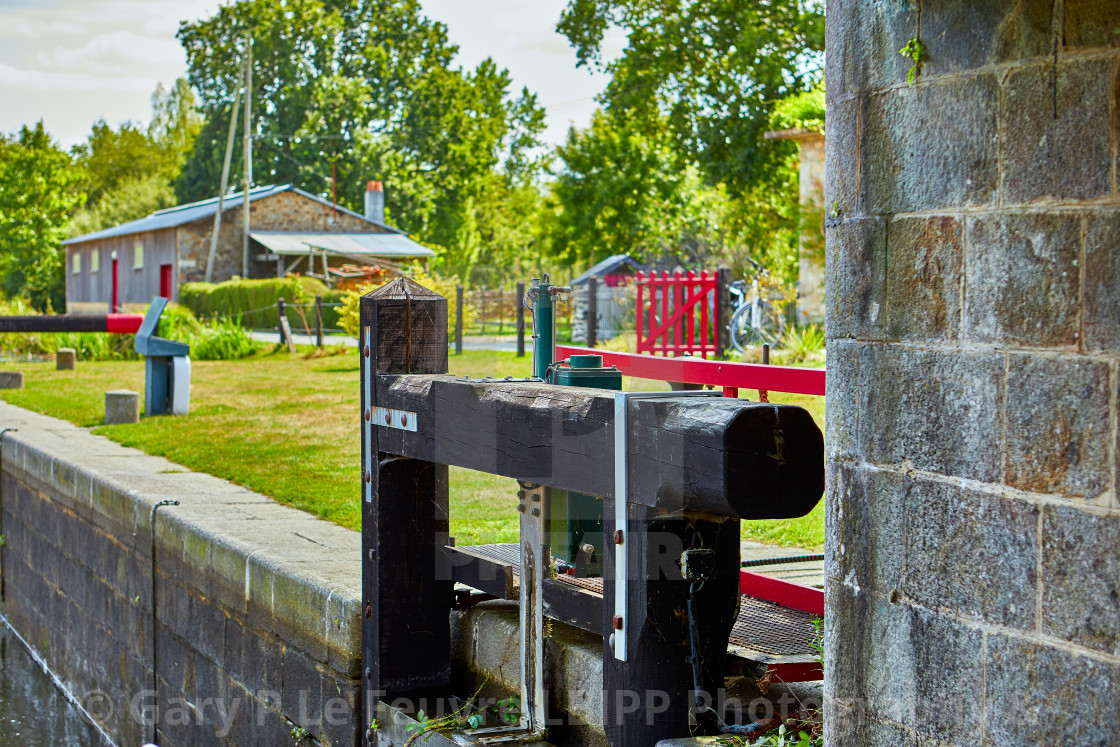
{"x":406,"y":637}
{"x":723,"y":311}
{"x":280,"y":317}
{"x":521,"y":320}
{"x":482,"y":308}
{"x":648,"y":697}
{"x":319,"y":321}
{"x":592,"y":311}
{"x":458,"y":320}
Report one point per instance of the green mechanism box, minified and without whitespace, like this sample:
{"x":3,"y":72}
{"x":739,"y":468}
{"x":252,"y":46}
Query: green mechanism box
{"x":577,"y":519}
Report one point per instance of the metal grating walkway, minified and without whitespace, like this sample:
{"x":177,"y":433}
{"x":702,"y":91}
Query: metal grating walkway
{"x":764,"y":631}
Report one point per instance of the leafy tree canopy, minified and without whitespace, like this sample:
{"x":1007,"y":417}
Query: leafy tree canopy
{"x":367,"y":86}
{"x":712,"y":68}
{"x":128,"y":171}
{"x":39,"y":188}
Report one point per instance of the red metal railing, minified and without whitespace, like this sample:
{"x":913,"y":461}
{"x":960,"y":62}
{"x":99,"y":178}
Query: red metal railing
{"x":678,"y":313}
{"x":731,"y":376}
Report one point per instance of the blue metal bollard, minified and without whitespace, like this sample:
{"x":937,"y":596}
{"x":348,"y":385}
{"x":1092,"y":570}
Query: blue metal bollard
{"x":167,"y":369}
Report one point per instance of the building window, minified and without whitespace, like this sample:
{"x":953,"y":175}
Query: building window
{"x":138,"y":256}
{"x":77,"y":267}
{"x":94,"y":261}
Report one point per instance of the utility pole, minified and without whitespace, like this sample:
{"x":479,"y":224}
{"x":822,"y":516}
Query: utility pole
{"x":225,"y":175}
{"x":248,"y":154}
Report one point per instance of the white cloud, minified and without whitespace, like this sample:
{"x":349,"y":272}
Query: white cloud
{"x":20,"y":27}
{"x":118,"y":46}
{"x":42,"y":80}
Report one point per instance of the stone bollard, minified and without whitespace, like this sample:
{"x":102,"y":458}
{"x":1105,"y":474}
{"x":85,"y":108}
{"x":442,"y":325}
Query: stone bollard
{"x":11,"y":379}
{"x":65,"y":359}
{"x":122,"y":406}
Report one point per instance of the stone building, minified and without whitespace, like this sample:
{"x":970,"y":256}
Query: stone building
{"x":810,"y":243}
{"x":290,"y":231}
{"x":973,"y":551}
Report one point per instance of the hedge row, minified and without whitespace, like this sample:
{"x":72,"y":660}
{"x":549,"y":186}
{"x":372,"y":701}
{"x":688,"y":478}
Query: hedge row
{"x":255,"y":301}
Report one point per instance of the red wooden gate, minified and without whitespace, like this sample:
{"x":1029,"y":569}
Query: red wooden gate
{"x":678,"y":314}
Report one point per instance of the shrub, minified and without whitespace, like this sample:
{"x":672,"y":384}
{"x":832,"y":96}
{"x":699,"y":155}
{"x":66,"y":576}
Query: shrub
{"x":222,"y":340}
{"x":349,"y":319}
{"x":253,"y":300}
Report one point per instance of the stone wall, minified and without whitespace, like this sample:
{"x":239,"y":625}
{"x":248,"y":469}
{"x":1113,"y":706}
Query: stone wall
{"x":257,"y":605}
{"x":285,"y":211}
{"x":973,"y":553}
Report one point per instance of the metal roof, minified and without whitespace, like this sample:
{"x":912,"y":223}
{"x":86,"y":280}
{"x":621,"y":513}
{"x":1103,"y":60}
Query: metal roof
{"x":387,"y":245}
{"x":609,"y":265}
{"x":182,"y":214}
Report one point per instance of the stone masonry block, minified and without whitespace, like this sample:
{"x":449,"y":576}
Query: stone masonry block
{"x":963,"y":35}
{"x":1056,"y":134}
{"x":1081,"y":578}
{"x":909,"y":666}
{"x":11,"y":379}
{"x":1036,"y":694}
{"x":1057,"y":412}
{"x":1102,"y":282}
{"x":853,"y":726}
{"x":303,"y":689}
{"x":842,"y":394}
{"x":122,"y":406}
{"x":865,"y":527}
{"x":1091,"y":23}
{"x":936,"y":410}
{"x":843,"y":194}
{"x":924,"y":271}
{"x":970,"y":552}
{"x":1021,"y":284}
{"x":863,"y":39}
{"x":855,"y":265}
{"x":931,"y":147}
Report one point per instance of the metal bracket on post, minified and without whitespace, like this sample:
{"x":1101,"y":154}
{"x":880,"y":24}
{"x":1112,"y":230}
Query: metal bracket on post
{"x":535,"y":560}
{"x":621,"y":510}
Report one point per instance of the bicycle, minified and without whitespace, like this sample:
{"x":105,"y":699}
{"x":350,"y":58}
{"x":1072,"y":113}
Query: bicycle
{"x":755,"y":321}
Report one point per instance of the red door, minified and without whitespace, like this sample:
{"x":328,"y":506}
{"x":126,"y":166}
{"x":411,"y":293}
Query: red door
{"x":165,"y":281}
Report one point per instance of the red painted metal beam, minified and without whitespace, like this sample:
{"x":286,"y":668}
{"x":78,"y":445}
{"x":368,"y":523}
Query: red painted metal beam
{"x":125,"y":324}
{"x":709,"y":373}
{"x":786,"y":593}
{"x":796,"y":672}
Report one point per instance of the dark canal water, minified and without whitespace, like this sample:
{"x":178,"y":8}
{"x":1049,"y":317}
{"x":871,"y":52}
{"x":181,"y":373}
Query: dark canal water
{"x":33,"y":712}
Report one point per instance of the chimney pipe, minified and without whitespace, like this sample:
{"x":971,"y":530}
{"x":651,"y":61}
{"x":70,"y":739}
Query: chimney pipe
{"x":375,"y":202}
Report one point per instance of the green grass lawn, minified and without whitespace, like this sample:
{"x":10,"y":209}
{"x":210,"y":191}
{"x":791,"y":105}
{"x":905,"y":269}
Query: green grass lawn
{"x":287,"y":426}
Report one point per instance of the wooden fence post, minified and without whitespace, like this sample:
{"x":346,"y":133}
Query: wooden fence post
{"x":284,"y":326}
{"x":406,"y":636}
{"x":723,"y":311}
{"x":458,"y":320}
{"x":521,"y":319}
{"x":482,"y":308}
{"x":319,"y":321}
{"x":592,"y":310}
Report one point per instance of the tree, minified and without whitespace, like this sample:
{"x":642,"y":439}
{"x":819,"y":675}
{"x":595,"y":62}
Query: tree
{"x":39,"y":188}
{"x":620,"y":190}
{"x":128,"y":171}
{"x":712,"y":68}
{"x":368,"y":87}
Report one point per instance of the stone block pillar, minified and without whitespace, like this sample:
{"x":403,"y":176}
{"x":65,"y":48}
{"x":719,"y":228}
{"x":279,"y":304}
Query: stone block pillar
{"x":973,"y":302}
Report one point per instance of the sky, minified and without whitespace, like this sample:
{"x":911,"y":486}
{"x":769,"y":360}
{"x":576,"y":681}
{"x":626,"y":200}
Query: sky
{"x":72,"y":62}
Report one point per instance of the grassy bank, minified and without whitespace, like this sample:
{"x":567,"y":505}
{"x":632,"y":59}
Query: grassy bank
{"x":287,"y":426}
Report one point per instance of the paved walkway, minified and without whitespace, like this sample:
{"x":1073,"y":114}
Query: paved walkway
{"x":810,"y":573}
{"x":499,"y":344}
